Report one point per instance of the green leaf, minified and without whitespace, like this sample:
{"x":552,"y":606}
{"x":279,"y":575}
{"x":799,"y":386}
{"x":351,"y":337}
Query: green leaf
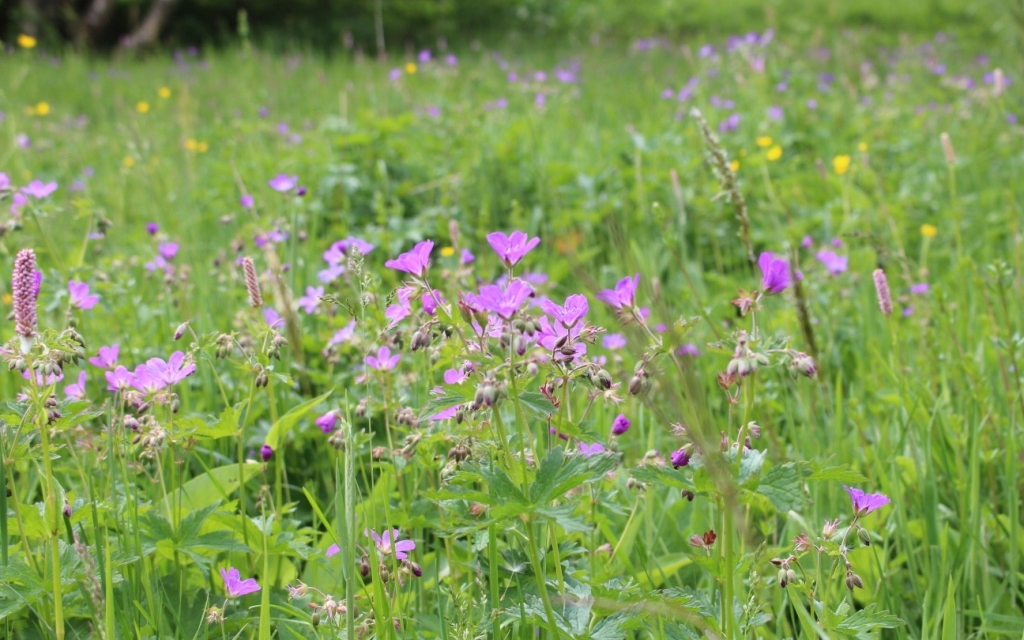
{"x":949,"y":630}
{"x":750,"y":464}
{"x":868,"y":619}
{"x":559,"y":474}
{"x":563,"y":516}
{"x":226,"y":425}
{"x":285,"y":423}
{"x":536,"y":403}
{"x":211,"y":487}
{"x":840,"y":473}
{"x":782,"y":485}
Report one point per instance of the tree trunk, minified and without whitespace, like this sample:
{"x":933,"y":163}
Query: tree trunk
{"x":148,"y":32}
{"x":93,"y":21}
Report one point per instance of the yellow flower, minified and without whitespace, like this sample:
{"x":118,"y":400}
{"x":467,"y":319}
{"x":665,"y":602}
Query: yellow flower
{"x":7,"y":298}
{"x":774,"y":153}
{"x":202,"y":147}
{"x":42,"y":108}
{"x":764,"y":141}
{"x":128,"y":162}
{"x":26,"y":41}
{"x":929,"y":230}
{"x":142,"y":107}
{"x":410,"y":67}
{"x":862,"y":146}
{"x":448,"y":252}
{"x":734,"y":165}
{"x":164,"y":92}
{"x":191,"y":144}
{"x":841,"y":164}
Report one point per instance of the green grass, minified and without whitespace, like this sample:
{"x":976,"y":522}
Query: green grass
{"x":920,"y":407}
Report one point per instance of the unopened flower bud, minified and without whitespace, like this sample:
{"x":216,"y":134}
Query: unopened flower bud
{"x":420,"y":340}
{"x":864,"y":537}
{"x":790,"y":576}
{"x":603,"y":379}
{"x":67,"y":509}
{"x":385,"y":575}
{"x":782,"y":578}
{"x":416,"y":569}
{"x":315,"y":619}
{"x":266,"y":452}
{"x":804,"y":365}
{"x":180,"y":331}
{"x":262,"y":379}
{"x":364,"y":568}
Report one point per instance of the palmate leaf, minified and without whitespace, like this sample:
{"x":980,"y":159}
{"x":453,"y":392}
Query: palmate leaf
{"x":868,"y":619}
{"x":559,"y":474}
{"x":782,"y":485}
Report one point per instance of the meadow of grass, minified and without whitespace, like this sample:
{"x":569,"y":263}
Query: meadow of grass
{"x":734,"y":398}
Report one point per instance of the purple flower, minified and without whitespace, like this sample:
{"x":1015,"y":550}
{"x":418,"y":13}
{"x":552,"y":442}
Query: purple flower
{"x":511,"y":248}
{"x":39,"y":189}
{"x":283,"y":182}
{"x":79,"y":295}
{"x":383,"y":361}
{"x":266,"y":452}
{"x":807,"y":242}
{"x":688,"y":349}
{"x":574,"y":309}
{"x":774,"y":273}
{"x":40,"y":379}
{"x":311,"y":300}
{"x":504,"y":302}
{"x":620,"y":425}
{"x":5,"y":182}
{"x":167,"y":250}
{"x":120,"y":379}
{"x":834,"y":262}
{"x":235,"y":586}
{"x":613,"y":341}
{"x":173,"y":371}
{"x":775,"y":112}
{"x":76,"y":390}
{"x":152,"y":228}
{"x":680,"y":458}
{"x":415,"y":262}
{"x":865,"y":503}
{"x":328,"y":421}
{"x":25,"y":282}
{"x":388,"y":543}
{"x":247,"y":201}
{"x":919,"y":289}
{"x":623,"y":296}
{"x":106,"y":358}
{"x":591,"y":449}
{"x":455,"y":376}
{"x":344,"y":334}
{"x":272,"y":318}
{"x":730,"y":124}
{"x":467,"y":257}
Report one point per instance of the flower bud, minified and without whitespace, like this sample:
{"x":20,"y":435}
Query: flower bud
{"x":804,"y":365}
{"x":416,"y":569}
{"x":364,"y":568}
{"x":266,"y":452}
{"x":262,"y":379}
{"x":782,"y":578}
{"x":603,"y":379}
{"x":385,"y":575}
{"x":680,"y":458}
{"x":864,"y":537}
{"x":853,"y":581}
{"x":180,"y":331}
{"x":790,"y":576}
{"x":420,"y":340}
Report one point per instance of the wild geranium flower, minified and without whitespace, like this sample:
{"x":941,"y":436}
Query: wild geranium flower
{"x":623,"y":296}
{"x":613,"y":341}
{"x":383,"y":361}
{"x":511,"y":248}
{"x":236,"y":587}
{"x":343,"y":334}
{"x":283,"y":182}
{"x":506,"y":302}
{"x":247,"y":201}
{"x":39,"y":189}
{"x":620,"y":425}
{"x":774,"y":273}
{"x":680,"y":458}
{"x":328,"y":421}
{"x":120,"y":379}
{"x":414,"y":262}
{"x":42,"y":380}
{"x":455,"y":376}
{"x":865,"y":503}
{"x":919,"y":289}
{"x":388,"y":543}
{"x":77,"y":389}
{"x":147,"y":380}
{"x":835,"y":263}
{"x":402,"y":308}
{"x":574,"y":309}
{"x":167,"y":250}
{"x":106,"y":358}
{"x":311,"y":300}
{"x":591,"y":449}
{"x":78,"y":293}
{"x":173,"y":371}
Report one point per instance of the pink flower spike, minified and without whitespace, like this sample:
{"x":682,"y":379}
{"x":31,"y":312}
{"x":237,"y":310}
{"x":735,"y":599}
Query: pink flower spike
{"x":79,"y":295}
{"x":865,"y":503}
{"x":236,"y":587}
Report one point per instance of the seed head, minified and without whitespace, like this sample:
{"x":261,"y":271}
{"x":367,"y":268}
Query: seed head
{"x":882,"y":288}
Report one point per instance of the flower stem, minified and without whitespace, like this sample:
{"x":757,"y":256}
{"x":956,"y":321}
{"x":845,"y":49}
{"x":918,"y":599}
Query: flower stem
{"x":52,"y":512}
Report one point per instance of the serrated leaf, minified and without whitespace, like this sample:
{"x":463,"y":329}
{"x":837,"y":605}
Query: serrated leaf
{"x":536,"y":402}
{"x":286,"y":422}
{"x":563,"y":516}
{"x":867,"y":619}
{"x":750,"y":464}
{"x":782,"y":485}
{"x":226,"y":425}
{"x":558,"y":474}
{"x":841,"y":473}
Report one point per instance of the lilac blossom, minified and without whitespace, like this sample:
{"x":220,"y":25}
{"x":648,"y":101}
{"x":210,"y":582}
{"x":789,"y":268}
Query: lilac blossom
{"x":283,"y":182}
{"x":39,"y":189}
{"x":77,"y":389}
{"x":414,"y":262}
{"x":511,"y":248}
{"x":835,"y":263}
{"x":505,"y":302}
{"x":865,"y":503}
{"x":236,"y":587}
{"x":311,"y":300}
{"x":78,"y":293}
{"x":574,"y":309}
{"x":383,"y":361}
{"x":775,"y":276}
{"x":388,"y":543}
{"x":623,"y":296}
{"x":106,"y":358}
